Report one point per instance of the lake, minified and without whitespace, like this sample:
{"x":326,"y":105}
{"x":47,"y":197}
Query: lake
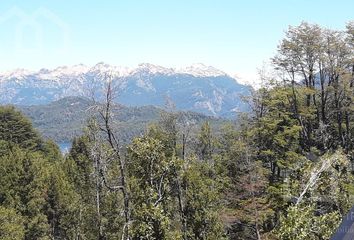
{"x":64,"y":147}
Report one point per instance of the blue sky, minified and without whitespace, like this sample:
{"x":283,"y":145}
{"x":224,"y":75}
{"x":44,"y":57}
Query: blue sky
{"x":232,"y":35}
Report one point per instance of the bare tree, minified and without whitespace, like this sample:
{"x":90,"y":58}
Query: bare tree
{"x":108,"y":148}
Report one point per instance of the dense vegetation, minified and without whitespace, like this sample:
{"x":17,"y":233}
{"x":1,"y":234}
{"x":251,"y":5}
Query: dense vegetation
{"x":64,"y":119}
{"x":284,"y":172}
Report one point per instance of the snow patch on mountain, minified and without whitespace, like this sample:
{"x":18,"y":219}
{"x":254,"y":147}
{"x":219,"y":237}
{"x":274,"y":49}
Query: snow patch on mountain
{"x":198,"y":87}
{"x":115,"y":71}
{"x":201,"y":70}
{"x":16,"y":74}
{"x":197,"y":70}
{"x":147,"y":68}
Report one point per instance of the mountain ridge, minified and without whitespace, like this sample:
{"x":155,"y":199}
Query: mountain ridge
{"x":196,"y":69}
{"x":198,"y":87}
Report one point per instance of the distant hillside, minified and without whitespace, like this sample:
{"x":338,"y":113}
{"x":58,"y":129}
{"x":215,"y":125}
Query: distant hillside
{"x":63,"y":119}
{"x":197,"y":88}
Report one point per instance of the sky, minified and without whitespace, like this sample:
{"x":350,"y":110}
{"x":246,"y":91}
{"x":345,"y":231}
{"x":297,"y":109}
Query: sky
{"x":232,"y":35}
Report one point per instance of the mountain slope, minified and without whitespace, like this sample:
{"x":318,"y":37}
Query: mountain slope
{"x":197,"y":88}
{"x":64,"y":119}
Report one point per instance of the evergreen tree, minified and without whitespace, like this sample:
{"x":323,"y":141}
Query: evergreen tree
{"x":15,"y":129}
{"x":11,"y":224}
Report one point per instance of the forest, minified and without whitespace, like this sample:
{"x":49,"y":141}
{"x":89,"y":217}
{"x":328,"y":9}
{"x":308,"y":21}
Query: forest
{"x":283,"y":171}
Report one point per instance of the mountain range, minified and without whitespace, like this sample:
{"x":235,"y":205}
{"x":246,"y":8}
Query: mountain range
{"x":198,"y":88}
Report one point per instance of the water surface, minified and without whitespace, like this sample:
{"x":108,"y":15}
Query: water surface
{"x":64,"y":147}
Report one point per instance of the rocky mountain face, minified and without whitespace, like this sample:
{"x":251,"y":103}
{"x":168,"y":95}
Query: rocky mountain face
{"x":196,"y":88}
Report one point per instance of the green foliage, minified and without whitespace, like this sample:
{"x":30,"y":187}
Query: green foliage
{"x":297,"y":141}
{"x":34,"y":188}
{"x":15,"y":129}
{"x":205,"y":142}
{"x":150,"y":171}
{"x":248,"y":209}
{"x":302,"y":222}
{"x":11,"y":224}
{"x":80,"y":169}
{"x":23,"y":187}
{"x":202,"y":201}
{"x":314,"y":217}
{"x":62,"y":204}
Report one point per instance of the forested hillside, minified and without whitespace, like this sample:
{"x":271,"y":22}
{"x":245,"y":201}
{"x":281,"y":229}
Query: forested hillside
{"x":66,"y":118}
{"x":284,"y":171}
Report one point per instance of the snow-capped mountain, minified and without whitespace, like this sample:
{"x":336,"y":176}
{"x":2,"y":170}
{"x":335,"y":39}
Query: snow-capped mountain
{"x":197,"y":88}
{"x":201,"y":70}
